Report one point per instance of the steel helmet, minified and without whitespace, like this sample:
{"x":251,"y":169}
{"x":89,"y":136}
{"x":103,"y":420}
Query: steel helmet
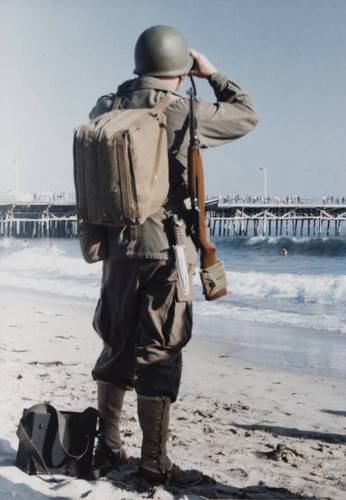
{"x":162,"y":51}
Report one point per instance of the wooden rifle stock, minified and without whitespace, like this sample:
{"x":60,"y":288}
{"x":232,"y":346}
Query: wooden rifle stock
{"x":197,"y":196}
{"x":196,"y":189}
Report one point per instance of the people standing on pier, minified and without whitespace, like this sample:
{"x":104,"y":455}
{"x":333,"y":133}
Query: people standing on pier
{"x":142,"y":315}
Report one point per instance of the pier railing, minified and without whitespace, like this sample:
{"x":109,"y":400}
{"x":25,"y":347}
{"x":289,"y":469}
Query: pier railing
{"x":58,"y":220}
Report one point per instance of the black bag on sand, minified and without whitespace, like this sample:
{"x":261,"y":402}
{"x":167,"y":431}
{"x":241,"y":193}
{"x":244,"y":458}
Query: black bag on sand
{"x":53,"y":442}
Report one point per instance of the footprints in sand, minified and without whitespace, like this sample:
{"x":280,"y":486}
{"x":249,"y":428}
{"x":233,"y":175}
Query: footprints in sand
{"x":13,"y":350}
{"x":46,"y":363}
{"x":280,"y":452}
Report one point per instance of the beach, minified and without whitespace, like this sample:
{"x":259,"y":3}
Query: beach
{"x":253,"y":430}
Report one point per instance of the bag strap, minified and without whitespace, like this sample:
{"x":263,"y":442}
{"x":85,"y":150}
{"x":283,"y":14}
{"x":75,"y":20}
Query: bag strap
{"x":61,"y":426}
{"x":30,"y":447}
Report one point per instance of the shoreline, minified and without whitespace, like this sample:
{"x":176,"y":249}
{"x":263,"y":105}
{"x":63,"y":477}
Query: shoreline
{"x":208,"y":328}
{"x":284,"y":347}
{"x":254,"y":431}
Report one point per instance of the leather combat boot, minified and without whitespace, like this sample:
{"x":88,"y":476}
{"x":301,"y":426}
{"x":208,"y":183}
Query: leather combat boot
{"x":155,"y":466}
{"x":109,"y":452}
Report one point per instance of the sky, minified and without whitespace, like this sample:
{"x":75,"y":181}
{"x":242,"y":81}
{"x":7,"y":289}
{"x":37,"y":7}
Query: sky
{"x":58,"y":56}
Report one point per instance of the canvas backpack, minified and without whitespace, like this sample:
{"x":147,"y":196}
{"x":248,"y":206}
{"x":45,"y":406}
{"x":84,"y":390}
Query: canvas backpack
{"x":121,"y":165}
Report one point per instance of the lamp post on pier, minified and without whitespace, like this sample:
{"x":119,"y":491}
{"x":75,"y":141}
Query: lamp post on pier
{"x":15,"y":179}
{"x":265,"y":183}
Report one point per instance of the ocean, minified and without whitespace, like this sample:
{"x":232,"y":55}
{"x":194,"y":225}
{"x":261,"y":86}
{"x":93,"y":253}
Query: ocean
{"x":286,"y":312}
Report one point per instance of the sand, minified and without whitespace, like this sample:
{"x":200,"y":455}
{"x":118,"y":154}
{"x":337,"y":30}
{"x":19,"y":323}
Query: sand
{"x":254,"y":432}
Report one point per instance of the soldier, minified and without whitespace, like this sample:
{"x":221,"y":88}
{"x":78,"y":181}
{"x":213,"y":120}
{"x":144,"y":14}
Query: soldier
{"x":142,"y":315}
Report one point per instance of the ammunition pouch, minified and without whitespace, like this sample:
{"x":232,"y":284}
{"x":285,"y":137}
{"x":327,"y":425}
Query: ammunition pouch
{"x":214,"y":281}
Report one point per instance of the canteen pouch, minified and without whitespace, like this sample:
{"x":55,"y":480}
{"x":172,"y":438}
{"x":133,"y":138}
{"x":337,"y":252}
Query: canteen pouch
{"x":214,"y":281}
{"x":53,"y":442}
{"x":93,"y":240}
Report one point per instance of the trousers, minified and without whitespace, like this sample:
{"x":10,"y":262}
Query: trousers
{"x":144,"y":320}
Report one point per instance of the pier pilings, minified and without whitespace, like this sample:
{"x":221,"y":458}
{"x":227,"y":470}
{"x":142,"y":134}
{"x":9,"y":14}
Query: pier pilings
{"x":38,"y":220}
{"x":295,"y":220}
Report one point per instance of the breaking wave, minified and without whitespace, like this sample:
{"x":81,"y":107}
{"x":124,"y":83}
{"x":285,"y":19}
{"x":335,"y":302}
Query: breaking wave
{"x":323,"y":247}
{"x":319,"y":289}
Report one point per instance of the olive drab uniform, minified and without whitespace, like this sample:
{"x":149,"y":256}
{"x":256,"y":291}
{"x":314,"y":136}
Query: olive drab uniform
{"x":142,"y":315}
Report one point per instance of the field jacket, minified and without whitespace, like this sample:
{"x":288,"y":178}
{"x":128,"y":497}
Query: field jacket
{"x":231,"y":117}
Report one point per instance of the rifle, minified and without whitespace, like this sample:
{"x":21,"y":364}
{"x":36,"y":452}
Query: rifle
{"x":212,"y":271}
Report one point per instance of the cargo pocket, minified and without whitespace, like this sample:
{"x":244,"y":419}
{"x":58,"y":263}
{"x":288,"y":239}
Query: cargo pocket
{"x":181,"y":316}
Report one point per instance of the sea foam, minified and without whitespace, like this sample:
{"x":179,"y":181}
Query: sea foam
{"x":320,"y":289}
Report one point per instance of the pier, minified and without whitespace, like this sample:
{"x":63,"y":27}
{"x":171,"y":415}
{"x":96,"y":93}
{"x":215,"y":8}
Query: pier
{"x":276,"y":219}
{"x":38,"y":219}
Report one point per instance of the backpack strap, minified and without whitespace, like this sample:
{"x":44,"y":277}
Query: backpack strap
{"x":163,"y":103}
{"x":133,"y":238}
{"x":116,"y":103}
{"x":160,"y":105}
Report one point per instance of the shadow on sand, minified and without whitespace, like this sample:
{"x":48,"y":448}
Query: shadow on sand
{"x":125,"y":479}
{"x":296,"y":433}
{"x":338,"y":413}
{"x":208,"y":488}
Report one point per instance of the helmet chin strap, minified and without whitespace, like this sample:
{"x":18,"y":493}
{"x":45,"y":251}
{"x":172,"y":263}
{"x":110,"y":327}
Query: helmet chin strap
{"x":182,"y":78}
